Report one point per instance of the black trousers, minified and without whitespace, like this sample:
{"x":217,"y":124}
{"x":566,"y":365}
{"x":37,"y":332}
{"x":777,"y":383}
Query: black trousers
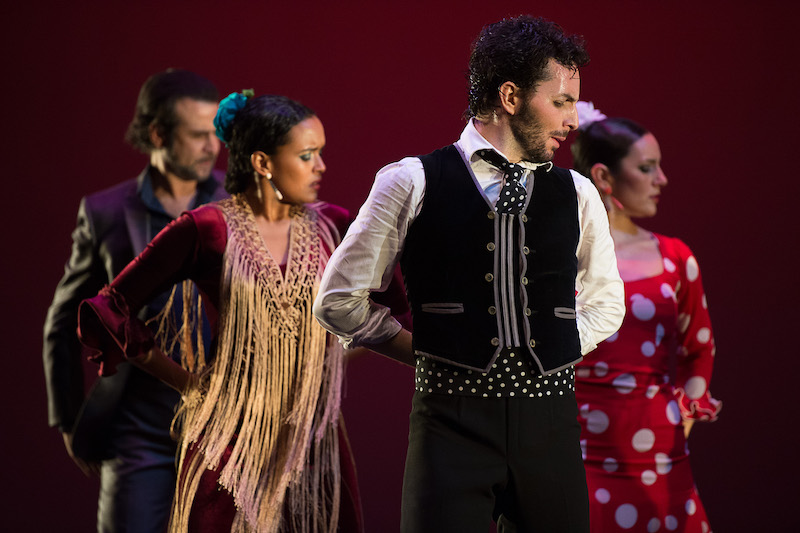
{"x":473,"y":459}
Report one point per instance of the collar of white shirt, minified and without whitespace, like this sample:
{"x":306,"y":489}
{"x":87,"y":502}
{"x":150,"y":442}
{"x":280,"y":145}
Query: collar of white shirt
{"x":488,"y":177}
{"x":471,"y":141}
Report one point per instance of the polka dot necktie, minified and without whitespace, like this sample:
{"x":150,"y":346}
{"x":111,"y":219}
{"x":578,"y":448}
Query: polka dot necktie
{"x":513,"y":193}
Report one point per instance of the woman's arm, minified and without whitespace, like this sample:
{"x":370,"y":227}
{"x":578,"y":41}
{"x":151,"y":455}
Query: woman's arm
{"x":107,"y":324}
{"x":154,"y":362}
{"x":695,"y":343}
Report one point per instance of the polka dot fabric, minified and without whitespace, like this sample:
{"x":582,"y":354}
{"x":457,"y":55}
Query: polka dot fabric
{"x":513,"y":194}
{"x":636,"y":457}
{"x":512,"y":375}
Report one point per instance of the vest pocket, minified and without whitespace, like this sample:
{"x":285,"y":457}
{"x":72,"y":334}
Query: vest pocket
{"x":441,"y":329}
{"x":443,"y":308}
{"x":564,"y":312}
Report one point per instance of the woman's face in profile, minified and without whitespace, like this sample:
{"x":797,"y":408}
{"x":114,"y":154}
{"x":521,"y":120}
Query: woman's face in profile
{"x":297,"y":166}
{"x":638,"y":182}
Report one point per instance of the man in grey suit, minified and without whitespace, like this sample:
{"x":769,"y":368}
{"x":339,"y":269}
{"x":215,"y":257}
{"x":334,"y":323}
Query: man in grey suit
{"x":121,"y":428}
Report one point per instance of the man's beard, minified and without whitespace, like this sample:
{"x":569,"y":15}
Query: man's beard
{"x":187,"y":172}
{"x":529,"y":134}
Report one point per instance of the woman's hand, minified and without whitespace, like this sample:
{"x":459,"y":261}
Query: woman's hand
{"x":687,"y":426}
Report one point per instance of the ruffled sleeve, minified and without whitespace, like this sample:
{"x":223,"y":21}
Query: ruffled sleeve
{"x":108,"y":332}
{"x":695,"y":342}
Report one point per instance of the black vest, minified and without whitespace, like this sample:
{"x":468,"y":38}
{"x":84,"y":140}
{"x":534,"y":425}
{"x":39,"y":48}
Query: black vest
{"x":478,"y":281}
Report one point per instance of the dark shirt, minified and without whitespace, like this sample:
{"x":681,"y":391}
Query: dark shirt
{"x":157,"y":217}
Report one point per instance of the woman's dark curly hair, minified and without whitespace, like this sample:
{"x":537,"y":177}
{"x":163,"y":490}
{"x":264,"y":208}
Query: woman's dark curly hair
{"x":517,"y":50}
{"x":606,"y":141}
{"x":262,"y":124}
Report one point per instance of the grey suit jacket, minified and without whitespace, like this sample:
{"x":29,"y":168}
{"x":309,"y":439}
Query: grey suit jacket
{"x":112,"y":229}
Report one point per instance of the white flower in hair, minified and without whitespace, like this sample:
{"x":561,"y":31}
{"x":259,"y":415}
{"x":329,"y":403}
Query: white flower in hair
{"x":587,"y":114}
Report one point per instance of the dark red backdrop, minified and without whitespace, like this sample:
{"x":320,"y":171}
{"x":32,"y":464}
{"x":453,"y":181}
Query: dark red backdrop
{"x":713,"y":82}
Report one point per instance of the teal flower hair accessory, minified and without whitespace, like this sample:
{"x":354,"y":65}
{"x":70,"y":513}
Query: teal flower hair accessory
{"x":229,"y":107}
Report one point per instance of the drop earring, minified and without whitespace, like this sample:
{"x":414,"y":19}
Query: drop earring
{"x":609,"y":200}
{"x":257,"y":178}
{"x":278,"y":193}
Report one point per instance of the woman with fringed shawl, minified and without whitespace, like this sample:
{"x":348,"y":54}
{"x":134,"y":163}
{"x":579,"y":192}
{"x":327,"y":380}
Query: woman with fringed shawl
{"x":260,"y":444}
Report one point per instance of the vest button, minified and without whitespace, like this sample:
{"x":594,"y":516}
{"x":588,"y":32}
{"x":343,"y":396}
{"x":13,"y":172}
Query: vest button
{"x":524,"y":280}
{"x":489,"y":276}
{"x":492,"y":310}
{"x":526,"y":250}
{"x":495,"y":341}
{"x":490,"y":247}
{"x":528,"y":311}
{"x":532,"y":343}
{"x":524,"y":217}
{"x":490,"y":215}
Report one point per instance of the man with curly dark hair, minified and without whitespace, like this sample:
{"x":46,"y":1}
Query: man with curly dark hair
{"x":121,"y":429}
{"x":511,"y":276}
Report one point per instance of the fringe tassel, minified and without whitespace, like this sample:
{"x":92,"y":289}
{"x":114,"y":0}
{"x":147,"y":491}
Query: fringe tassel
{"x":273,"y":390}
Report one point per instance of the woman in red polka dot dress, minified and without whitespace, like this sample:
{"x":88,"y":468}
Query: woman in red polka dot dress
{"x":642,"y":389}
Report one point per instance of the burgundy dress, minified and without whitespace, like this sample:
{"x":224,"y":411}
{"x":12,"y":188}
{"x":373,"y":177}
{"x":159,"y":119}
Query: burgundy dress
{"x":192,"y":247}
{"x":633,"y":392}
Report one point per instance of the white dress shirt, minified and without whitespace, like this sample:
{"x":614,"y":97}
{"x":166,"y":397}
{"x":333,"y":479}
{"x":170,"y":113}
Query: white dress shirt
{"x":366,"y":258}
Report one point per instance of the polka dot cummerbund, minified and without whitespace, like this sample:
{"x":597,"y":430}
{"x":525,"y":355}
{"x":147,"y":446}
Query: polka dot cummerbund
{"x":512,"y":374}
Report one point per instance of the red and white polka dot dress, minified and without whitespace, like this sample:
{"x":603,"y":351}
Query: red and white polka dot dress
{"x":637,"y":461}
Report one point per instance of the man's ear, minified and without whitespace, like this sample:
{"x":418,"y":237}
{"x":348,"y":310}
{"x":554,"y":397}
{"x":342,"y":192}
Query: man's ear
{"x":261,"y":163}
{"x":602,"y":178}
{"x":510,"y":97}
{"x":156,"y":137}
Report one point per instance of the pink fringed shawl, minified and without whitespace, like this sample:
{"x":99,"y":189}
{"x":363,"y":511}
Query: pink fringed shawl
{"x":273,"y":389}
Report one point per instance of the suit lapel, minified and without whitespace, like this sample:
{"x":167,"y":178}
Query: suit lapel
{"x":136,"y":217}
